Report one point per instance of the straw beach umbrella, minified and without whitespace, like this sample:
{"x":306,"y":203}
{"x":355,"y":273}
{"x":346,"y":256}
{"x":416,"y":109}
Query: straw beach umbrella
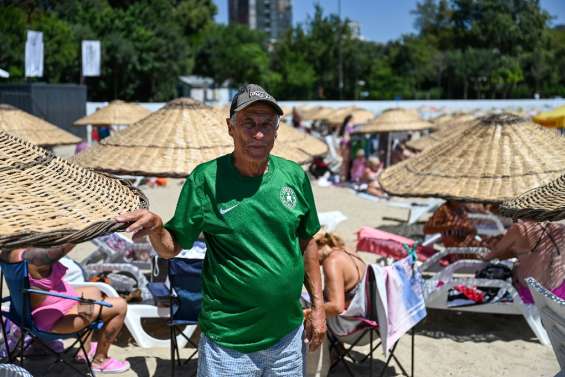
{"x":451,"y":119}
{"x":360,"y":116}
{"x":545,"y":203}
{"x":48,"y":201}
{"x":317,"y":113}
{"x":394,"y":120}
{"x":291,"y":138}
{"x":170,"y":142}
{"x":116,"y":113}
{"x":456,"y":124}
{"x":495,"y":159}
{"x":33,"y":129}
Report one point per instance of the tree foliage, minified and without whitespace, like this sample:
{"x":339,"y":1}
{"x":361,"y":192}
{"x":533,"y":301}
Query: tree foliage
{"x":462,"y":49}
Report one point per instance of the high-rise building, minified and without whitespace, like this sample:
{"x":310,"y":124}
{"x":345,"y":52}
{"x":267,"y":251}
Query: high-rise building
{"x":274,"y":17}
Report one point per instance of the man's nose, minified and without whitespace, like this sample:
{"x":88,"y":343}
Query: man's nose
{"x":259,"y":135}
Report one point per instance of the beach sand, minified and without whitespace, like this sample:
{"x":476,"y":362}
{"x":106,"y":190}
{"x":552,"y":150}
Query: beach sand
{"x":448,"y":343}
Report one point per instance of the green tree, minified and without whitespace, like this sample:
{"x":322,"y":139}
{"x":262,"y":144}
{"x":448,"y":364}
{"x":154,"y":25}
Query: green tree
{"x":60,"y":54}
{"x":235,"y":54}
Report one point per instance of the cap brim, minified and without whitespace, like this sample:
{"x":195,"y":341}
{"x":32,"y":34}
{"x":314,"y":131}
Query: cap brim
{"x":275,"y":106}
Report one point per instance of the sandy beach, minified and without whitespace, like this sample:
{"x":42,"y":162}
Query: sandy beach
{"x":447,"y":343}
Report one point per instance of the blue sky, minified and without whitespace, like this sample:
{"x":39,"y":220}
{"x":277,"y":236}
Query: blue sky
{"x":381,"y":20}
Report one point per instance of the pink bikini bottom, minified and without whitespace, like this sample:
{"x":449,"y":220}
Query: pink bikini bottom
{"x":527,"y":297}
{"x":46,"y":316}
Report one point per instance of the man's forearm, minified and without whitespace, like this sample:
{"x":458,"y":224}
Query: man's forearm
{"x":164,"y":244}
{"x":312,"y":275}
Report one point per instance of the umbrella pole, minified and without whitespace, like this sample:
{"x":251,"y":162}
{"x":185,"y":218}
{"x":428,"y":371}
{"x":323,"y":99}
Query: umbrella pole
{"x":388,"y":147}
{"x":89,"y":134}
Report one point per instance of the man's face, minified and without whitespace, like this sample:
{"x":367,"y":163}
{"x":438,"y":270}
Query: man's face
{"x":254,"y":131}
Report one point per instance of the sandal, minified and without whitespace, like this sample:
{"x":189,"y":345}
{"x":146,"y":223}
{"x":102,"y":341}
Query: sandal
{"x":79,"y":357}
{"x":111,"y":365}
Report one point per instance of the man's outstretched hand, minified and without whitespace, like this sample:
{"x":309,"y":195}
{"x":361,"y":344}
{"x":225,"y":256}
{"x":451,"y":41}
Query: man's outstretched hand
{"x":142,"y":223}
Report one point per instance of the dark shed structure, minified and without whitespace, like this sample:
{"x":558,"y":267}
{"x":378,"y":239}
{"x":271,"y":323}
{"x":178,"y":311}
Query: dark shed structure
{"x":59,"y":104}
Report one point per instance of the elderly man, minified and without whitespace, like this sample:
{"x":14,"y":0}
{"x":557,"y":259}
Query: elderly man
{"x":258,"y":216}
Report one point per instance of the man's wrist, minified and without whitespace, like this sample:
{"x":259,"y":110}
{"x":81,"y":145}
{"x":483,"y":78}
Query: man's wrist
{"x":317,"y":305}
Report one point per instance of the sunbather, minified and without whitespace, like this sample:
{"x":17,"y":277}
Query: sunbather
{"x":343,"y":271}
{"x":372,"y":171}
{"x":540,"y":249}
{"x":358,"y":166}
{"x":59,"y":315}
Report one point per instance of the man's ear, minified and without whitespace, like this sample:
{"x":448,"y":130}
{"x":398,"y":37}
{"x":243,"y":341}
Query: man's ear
{"x":230,"y":128}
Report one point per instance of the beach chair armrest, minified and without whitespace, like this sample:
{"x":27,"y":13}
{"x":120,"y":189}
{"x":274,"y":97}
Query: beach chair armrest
{"x":452,"y":251}
{"x":81,"y":300}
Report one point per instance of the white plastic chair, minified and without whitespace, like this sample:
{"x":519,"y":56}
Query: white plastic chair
{"x":436,"y":290}
{"x":133,"y":319}
{"x":552,"y":312}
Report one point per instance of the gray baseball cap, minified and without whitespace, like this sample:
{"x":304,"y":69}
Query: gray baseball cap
{"x":249,"y":94}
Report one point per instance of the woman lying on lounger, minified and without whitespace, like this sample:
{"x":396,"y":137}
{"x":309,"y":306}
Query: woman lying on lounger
{"x":343,"y":272}
{"x":61,"y":315}
{"x":540,"y":249}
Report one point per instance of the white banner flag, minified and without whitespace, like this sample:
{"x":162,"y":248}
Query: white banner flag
{"x":91,"y":58}
{"x":34,"y":54}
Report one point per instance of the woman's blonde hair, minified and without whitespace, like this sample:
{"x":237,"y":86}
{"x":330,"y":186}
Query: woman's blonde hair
{"x":327,"y":242}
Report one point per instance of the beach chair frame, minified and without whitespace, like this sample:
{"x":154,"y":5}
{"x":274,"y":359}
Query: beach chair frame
{"x":552,"y":312}
{"x":344,"y":351}
{"x":17,"y":279}
{"x":368,"y":326}
{"x":436,"y":289}
{"x":185,"y":300}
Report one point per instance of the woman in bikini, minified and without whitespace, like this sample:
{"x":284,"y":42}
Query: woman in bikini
{"x":59,"y":315}
{"x":540,"y":249}
{"x":343,"y":272}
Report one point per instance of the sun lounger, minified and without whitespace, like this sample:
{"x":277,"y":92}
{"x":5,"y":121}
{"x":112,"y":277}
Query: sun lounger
{"x":330,"y":220}
{"x":415,"y":209}
{"x":111,"y":254}
{"x":436,"y":290}
{"x":552,"y":312}
{"x":116,"y":248}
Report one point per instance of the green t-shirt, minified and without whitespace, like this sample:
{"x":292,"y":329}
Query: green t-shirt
{"x":254,"y":269}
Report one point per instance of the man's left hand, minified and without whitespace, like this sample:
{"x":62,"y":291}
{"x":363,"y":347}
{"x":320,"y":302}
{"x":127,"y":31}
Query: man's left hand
{"x":315,"y":328}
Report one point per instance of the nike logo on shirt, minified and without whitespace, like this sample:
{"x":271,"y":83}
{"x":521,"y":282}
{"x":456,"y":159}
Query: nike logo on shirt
{"x":223,"y":211}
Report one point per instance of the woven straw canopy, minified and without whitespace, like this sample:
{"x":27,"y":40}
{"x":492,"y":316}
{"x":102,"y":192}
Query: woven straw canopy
{"x":545,"y":203}
{"x":396,"y":120}
{"x":171,"y":142}
{"x":554,"y":118}
{"x":495,"y":159}
{"x":47,"y":201}
{"x":449,"y":120}
{"x":290,"y":138}
{"x":117,"y":112}
{"x":457,"y":124}
{"x":33,"y":129}
{"x":360,"y":116}
{"x":317,"y":113}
